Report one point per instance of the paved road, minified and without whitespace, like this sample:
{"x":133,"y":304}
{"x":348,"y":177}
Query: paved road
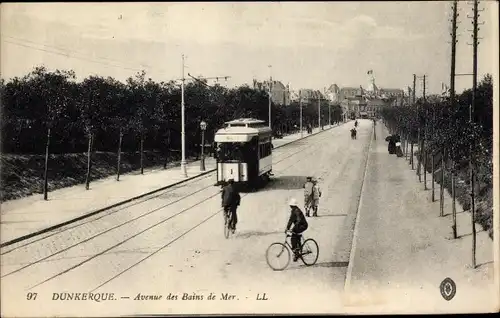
{"x":403,"y":248}
{"x":173,"y":242}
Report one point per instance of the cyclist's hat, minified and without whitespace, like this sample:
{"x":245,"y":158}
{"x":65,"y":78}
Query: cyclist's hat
{"x":293,"y":202}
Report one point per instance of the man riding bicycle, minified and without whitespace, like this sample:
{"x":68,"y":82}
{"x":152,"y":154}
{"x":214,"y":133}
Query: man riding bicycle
{"x":230,"y":201}
{"x":299,"y":222}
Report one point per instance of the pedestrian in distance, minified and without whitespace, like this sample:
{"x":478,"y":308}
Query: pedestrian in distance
{"x":297,"y":224}
{"x":230,"y":202}
{"x":315,"y":197}
{"x":308,"y":194}
{"x":353,"y":133}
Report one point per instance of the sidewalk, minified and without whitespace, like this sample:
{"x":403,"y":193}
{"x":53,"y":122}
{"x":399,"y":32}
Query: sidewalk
{"x":403,"y":250}
{"x":32,"y":214}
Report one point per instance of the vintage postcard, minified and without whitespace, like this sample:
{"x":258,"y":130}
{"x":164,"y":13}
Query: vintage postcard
{"x":249,"y":158}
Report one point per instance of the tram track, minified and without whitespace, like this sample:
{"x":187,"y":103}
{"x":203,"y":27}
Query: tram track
{"x":283,"y":158}
{"x":205,"y":220}
{"x":135,"y":203}
{"x":148,"y":196}
{"x":175,"y":238}
{"x":112,"y":211}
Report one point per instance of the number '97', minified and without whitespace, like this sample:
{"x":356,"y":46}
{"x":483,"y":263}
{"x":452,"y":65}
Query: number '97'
{"x":31,"y":296}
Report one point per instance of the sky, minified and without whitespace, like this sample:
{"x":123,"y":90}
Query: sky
{"x":305,"y":44}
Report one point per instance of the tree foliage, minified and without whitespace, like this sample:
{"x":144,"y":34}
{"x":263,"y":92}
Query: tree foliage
{"x":106,"y":107}
{"x":450,"y":128}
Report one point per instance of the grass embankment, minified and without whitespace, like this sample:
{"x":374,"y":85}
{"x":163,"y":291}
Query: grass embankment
{"x":22,"y":175}
{"x":483,"y":191}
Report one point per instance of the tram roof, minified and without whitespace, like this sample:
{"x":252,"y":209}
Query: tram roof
{"x":240,"y":133}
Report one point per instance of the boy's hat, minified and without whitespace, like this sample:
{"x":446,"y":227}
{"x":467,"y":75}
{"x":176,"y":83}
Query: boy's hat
{"x":292,"y":202}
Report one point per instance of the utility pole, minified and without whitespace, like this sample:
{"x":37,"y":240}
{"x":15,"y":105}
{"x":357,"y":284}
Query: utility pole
{"x":419,"y":144}
{"x":424,"y":146}
{"x":270,"y":87}
{"x":183,"y":132}
{"x":300,"y":106}
{"x":471,"y":120}
{"x":319,"y":110}
{"x":414,"y":84}
{"x":413,"y":104}
{"x":452,"y":106}
{"x":183,"y":121}
{"x":424,"y":88}
{"x":329,"y":109}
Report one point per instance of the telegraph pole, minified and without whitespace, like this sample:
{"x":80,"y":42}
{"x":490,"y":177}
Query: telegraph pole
{"x":270,"y":87}
{"x":319,"y":110}
{"x":424,"y":87}
{"x":413,"y":104}
{"x":471,"y":119}
{"x":300,"y":105}
{"x":452,"y":106}
{"x":424,"y":155}
{"x":183,"y":132}
{"x":414,"y":84}
{"x":419,"y":143}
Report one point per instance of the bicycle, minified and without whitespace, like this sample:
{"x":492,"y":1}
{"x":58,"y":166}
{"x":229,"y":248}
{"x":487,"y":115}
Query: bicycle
{"x":309,"y":252}
{"x":228,"y":218}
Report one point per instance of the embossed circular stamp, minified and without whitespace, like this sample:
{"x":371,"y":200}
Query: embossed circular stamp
{"x":448,"y":288}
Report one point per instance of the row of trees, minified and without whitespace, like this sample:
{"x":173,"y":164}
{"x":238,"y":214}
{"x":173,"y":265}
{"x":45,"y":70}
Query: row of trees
{"x":50,"y":112}
{"x":139,"y":109}
{"x":450,"y":141}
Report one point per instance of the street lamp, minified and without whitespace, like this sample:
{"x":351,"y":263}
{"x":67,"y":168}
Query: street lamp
{"x":203,"y":127}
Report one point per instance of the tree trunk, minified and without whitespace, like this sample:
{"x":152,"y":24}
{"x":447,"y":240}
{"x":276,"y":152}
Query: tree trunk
{"x":424,"y":154}
{"x":419,"y":157}
{"x":441,"y":186}
{"x":412,"y":156}
{"x":453,"y":205}
{"x":432,"y":178}
{"x":419,"y":160}
{"x":167,"y":152}
{"x":89,"y":152}
{"x":119,"y":156}
{"x":46,"y":169}
{"x":142,"y":152}
{"x":406,"y":147}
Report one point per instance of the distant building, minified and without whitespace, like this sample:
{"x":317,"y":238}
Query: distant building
{"x":308,"y":95}
{"x":359,"y":102}
{"x":280,"y":94}
{"x":332,"y":94}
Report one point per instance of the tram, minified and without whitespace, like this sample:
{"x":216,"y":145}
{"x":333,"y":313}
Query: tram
{"x":244,"y":151}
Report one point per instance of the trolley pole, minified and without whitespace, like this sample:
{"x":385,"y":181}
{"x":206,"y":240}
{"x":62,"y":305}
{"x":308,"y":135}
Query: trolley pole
{"x":183,"y":115}
{"x":300,"y":106}
{"x":319,"y":111}
{"x":270,"y":87}
{"x":183,"y":123}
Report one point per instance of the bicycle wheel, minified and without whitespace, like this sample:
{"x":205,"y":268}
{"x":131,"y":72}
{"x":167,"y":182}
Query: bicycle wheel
{"x":309,"y":252}
{"x":278,"y":256}
{"x":227,"y":222}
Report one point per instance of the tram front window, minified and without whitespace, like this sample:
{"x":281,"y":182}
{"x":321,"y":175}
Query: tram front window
{"x":233,"y":151}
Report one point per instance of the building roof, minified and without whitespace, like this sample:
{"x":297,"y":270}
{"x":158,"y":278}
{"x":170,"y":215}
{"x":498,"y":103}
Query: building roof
{"x":333,"y":88}
{"x":392,"y":90}
{"x":264,"y":84}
